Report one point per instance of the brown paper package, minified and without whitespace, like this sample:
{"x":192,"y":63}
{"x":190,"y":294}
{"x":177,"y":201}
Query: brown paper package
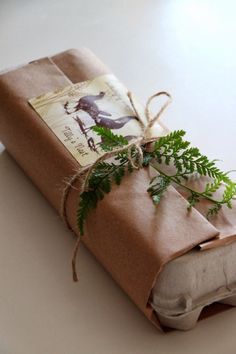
{"x":127,"y":234}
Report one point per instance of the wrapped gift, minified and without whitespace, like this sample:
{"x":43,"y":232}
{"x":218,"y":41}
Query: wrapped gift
{"x":134,"y":240}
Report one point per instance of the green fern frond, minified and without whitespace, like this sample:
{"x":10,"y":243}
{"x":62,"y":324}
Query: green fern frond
{"x":99,"y":184}
{"x":171,"y":149}
{"x":88,"y":201}
{"x":109,"y":139}
{"x":211,"y":188}
{"x":193,"y":199}
{"x":214,"y":210}
{"x":158,"y":187}
{"x":229,"y":194}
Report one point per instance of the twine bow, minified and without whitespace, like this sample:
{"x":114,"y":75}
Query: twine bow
{"x":84,"y":173}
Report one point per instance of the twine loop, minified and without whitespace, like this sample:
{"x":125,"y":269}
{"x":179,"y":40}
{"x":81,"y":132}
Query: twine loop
{"x":84,"y":173}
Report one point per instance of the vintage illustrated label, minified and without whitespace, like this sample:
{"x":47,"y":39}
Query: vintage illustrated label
{"x":70,"y":113}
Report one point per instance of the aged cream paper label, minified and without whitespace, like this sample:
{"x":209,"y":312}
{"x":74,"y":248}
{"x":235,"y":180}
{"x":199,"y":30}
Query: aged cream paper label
{"x":70,"y":113}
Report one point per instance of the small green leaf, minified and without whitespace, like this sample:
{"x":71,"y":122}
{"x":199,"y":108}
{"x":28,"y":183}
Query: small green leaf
{"x":109,"y":139}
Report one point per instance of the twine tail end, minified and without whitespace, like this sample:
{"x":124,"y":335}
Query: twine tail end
{"x":74,"y":258}
{"x":75,"y":275}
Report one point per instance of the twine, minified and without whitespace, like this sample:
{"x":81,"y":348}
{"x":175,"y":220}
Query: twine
{"x":84,"y":173}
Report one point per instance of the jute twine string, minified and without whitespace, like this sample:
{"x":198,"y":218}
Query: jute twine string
{"x":84,"y":173}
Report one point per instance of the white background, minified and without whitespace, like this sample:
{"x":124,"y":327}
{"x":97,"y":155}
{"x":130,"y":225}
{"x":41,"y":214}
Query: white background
{"x":183,"y":46}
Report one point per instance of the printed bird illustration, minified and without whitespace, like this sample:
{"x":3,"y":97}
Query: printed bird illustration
{"x":87,"y":104}
{"x":100,"y":118}
{"x":113,"y":123}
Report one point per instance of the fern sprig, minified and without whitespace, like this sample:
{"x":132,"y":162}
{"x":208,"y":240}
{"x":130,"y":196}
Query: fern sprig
{"x":188,"y":161}
{"x":171,"y":149}
{"x":99,"y":184}
{"x":109,"y":139}
{"x":158,"y":186}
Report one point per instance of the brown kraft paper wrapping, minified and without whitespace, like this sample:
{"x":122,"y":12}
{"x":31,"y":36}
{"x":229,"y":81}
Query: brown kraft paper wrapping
{"x":128,"y":235}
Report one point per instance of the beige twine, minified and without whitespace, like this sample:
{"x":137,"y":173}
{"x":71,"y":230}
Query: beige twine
{"x":84,"y":173}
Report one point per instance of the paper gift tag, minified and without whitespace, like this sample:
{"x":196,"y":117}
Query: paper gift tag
{"x":71,"y":112}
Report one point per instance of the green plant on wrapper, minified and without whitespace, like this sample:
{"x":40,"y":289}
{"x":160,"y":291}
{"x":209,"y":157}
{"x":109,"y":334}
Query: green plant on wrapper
{"x":170,"y":150}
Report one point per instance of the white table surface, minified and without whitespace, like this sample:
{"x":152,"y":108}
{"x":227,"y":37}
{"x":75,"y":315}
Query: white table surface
{"x":186,"y":47}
